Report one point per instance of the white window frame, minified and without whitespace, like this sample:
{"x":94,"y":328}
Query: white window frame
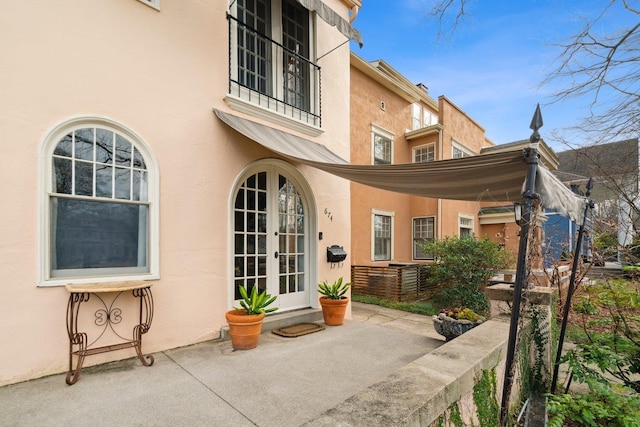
{"x":457,"y":146}
{"x":422,"y":117}
{"x":45,"y":191}
{"x":416,"y":116}
{"x":152,"y":3}
{"x":262,"y":107}
{"x":391,"y":215}
{"x":377,"y":130}
{"x":430,"y":147}
{"x":429,"y":118}
{"x":463,"y":220}
{"x":414,"y":237}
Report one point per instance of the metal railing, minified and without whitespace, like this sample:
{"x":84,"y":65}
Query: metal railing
{"x":264,"y":72}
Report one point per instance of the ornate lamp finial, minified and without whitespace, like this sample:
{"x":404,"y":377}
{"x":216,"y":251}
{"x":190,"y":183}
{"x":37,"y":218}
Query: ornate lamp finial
{"x":536,"y":123}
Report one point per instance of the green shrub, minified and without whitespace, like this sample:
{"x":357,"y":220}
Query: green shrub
{"x":463,"y":268}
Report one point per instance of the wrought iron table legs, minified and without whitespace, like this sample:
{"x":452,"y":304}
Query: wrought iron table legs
{"x":106,"y":317}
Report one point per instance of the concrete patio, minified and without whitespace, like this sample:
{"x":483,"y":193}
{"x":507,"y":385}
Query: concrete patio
{"x":283,"y":382}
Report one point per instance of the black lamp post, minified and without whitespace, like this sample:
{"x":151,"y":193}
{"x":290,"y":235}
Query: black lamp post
{"x":531,"y":159}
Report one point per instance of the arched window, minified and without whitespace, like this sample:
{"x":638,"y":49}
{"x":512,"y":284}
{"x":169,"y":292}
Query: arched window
{"x":100,"y":204}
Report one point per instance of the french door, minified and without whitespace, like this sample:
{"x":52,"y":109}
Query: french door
{"x":271,"y":238}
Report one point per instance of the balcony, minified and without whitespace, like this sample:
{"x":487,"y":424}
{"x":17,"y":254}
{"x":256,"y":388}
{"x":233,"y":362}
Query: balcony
{"x":271,"y":76}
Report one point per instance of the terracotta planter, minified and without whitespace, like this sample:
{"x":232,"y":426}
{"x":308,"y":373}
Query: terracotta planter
{"x":244,"y":329}
{"x":333,"y":310}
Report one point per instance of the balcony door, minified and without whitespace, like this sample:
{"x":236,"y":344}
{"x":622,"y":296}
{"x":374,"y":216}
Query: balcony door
{"x":271,"y":42}
{"x":271,"y":237}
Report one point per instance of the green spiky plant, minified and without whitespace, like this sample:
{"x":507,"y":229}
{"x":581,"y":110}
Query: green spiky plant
{"x":256,"y":303}
{"x":334,"y":290}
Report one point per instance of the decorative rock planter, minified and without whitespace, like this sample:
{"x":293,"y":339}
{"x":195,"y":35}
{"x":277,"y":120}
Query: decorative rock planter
{"x":451,"y":328}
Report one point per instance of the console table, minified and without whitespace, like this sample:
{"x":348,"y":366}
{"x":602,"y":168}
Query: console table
{"x":106,"y":317}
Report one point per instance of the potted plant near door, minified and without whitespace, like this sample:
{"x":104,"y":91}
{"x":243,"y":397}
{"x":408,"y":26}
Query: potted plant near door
{"x":245,"y":323}
{"x":334,"y":302}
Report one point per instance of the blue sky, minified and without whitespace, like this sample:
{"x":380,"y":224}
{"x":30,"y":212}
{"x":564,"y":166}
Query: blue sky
{"x":494,"y":63}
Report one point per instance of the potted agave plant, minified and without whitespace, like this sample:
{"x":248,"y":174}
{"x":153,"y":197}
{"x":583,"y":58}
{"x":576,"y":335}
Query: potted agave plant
{"x":245,"y":322}
{"x":334,"y":302}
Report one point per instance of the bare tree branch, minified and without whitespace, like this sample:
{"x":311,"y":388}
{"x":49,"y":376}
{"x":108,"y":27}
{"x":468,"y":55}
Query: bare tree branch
{"x":606,"y":68}
{"x":442,"y":10}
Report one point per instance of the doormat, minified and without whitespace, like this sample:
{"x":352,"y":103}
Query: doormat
{"x":298,"y":330}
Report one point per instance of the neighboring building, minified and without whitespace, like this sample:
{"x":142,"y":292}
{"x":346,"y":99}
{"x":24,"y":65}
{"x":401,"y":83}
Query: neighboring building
{"x":117,"y":169}
{"x":394,"y":121}
{"x":615,"y":171}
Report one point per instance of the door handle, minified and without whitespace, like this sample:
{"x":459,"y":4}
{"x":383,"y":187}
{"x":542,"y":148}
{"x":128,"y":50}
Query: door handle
{"x":276,"y":254}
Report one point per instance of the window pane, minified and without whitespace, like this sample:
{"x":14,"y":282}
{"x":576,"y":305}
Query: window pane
{"x":425,"y":154}
{"x":240,"y":199}
{"x":423,"y":232}
{"x":415,"y":116}
{"x":140,"y":186}
{"x":64,"y":147}
{"x":84,"y":179}
{"x":138,"y":160}
{"x":104,"y":146}
{"x":123,"y":151}
{"x":89,"y":234}
{"x":62,"y":176}
{"x":123,"y":183}
{"x":382,"y":150}
{"x":104,"y":179}
{"x":84,"y":144}
{"x":382,"y":237}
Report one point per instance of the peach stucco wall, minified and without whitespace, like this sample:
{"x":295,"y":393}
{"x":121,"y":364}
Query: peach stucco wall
{"x":159,"y":73}
{"x":366,"y":96}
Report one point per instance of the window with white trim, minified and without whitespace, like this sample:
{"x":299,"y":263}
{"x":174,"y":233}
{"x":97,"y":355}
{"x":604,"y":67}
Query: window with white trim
{"x":465,"y":225}
{"x":423,"y":233}
{"x":416,"y":116}
{"x":382,"y":230}
{"x":100,"y":203}
{"x":458,"y":150}
{"x":382,"y":146}
{"x":424,"y":153}
{"x":422,"y":117}
{"x":429,"y":118}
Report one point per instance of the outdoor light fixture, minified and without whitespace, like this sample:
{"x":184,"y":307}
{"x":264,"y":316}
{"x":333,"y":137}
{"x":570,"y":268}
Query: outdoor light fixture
{"x":517,"y":210}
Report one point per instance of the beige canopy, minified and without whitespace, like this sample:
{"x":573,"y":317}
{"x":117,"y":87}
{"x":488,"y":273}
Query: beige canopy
{"x":489,"y":177}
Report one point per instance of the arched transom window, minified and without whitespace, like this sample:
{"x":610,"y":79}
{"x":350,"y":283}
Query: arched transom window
{"x":99,"y":205}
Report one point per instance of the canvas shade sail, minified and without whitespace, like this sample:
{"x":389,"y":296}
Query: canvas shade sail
{"x":496,"y":177}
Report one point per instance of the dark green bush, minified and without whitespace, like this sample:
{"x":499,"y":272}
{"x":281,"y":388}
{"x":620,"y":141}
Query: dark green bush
{"x":463,"y":268}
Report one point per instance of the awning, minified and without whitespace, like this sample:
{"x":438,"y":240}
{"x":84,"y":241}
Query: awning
{"x":492,"y":177}
{"x":329,"y":16}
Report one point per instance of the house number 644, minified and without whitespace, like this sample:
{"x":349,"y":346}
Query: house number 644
{"x":328,"y":214}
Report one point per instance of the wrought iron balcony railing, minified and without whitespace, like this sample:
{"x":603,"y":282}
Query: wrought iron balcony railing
{"x":264,"y":72}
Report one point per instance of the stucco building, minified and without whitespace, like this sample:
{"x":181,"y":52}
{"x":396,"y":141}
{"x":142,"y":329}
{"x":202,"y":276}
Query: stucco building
{"x":119,"y":169}
{"x":395,"y":121}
